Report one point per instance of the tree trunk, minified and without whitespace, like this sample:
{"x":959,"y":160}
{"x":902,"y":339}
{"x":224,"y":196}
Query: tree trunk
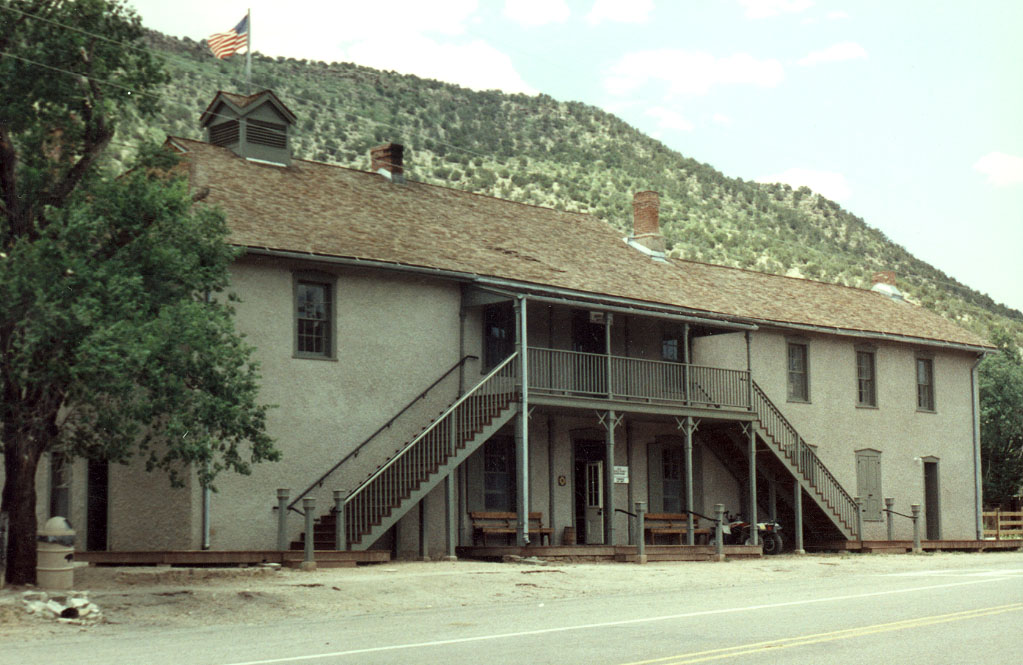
{"x":19,"y":502}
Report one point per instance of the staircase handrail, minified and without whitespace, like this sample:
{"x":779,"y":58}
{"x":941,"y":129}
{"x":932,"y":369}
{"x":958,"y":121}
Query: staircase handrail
{"x":355,"y":451}
{"x":803,"y":449}
{"x":440,"y":419}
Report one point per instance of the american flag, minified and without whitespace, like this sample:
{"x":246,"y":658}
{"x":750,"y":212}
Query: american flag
{"x":235,"y":40}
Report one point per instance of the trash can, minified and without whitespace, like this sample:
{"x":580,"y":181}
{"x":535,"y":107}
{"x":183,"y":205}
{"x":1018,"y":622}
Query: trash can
{"x":55,"y":566}
{"x":568,"y":538}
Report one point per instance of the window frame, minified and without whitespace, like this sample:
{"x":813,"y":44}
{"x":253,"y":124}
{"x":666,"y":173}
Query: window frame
{"x":499,"y":315}
{"x":500,"y":489}
{"x":927,"y":358}
{"x":869,"y":352}
{"x":329,"y":282}
{"x":791,"y":396}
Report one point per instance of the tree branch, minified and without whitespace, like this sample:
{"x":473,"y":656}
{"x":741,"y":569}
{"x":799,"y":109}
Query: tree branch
{"x":9,"y":205}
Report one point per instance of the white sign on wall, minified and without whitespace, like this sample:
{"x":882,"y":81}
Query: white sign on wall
{"x":621,"y":475}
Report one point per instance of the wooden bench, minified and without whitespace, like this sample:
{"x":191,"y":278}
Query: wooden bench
{"x":673,"y":524}
{"x":504,"y":524}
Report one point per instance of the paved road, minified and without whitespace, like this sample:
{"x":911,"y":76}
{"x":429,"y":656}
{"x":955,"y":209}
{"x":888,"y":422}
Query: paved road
{"x":971,"y":614}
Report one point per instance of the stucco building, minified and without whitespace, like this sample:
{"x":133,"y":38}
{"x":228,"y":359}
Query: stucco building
{"x":434,"y":352}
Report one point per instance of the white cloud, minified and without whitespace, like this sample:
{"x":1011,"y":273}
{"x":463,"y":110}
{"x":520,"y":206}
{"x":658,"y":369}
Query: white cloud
{"x":835,"y":53}
{"x":1001,"y":169}
{"x":690,"y":72}
{"x":475,"y":65}
{"x":534,"y":12}
{"x":837,"y":15}
{"x":721,"y":119}
{"x":620,"y":11}
{"x":669,"y":119}
{"x":826,"y":183}
{"x":378,"y":21}
{"x":767,"y":8}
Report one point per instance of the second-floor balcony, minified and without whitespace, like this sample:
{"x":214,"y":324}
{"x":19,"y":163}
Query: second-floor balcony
{"x":574,"y":374}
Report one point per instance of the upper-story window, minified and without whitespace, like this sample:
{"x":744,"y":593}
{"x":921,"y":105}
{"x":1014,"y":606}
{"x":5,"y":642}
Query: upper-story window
{"x":498,"y":334}
{"x":925,"y":384}
{"x":314,"y":321}
{"x":866,"y":378}
{"x":798,"y":372}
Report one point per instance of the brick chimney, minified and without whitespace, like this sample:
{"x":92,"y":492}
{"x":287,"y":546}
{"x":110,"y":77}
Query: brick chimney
{"x":884,"y":283}
{"x":388,"y":161}
{"x":884,"y":277}
{"x":646,"y":224}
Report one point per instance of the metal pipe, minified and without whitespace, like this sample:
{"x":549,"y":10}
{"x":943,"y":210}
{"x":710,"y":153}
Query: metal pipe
{"x":522,"y":425}
{"x":978,"y":479}
{"x":799,"y":518}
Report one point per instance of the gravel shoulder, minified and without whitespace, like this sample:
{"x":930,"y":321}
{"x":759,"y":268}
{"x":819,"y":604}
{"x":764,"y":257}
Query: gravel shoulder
{"x":169,"y":598}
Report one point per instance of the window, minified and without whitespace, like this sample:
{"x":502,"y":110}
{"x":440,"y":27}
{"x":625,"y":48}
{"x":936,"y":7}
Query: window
{"x":314,"y":323}
{"x":671,"y":350}
{"x":498,"y":334}
{"x":925,"y":384}
{"x":499,"y":474}
{"x":866,"y":379}
{"x":60,"y":485}
{"x":799,"y":372}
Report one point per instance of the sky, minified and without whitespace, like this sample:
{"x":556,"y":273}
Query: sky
{"x":909,"y":113}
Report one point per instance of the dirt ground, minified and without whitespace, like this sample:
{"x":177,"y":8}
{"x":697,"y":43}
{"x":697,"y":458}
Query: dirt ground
{"x":185,"y":597}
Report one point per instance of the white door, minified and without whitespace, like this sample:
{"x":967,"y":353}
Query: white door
{"x":594,"y":503}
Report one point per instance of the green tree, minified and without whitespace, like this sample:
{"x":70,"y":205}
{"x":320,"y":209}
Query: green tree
{"x":1001,"y":421}
{"x":114,"y":338}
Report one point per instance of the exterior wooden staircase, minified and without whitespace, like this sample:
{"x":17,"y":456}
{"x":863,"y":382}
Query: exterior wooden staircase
{"x":779,"y":436}
{"x":401,"y":482}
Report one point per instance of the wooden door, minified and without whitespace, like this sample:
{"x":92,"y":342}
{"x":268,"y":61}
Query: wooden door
{"x":868,"y":482}
{"x":932,"y":501}
{"x":594,"y":511}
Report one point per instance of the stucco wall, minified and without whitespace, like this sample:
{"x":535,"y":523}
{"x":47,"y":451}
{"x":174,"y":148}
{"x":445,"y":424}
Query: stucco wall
{"x":833,"y":423}
{"x":396,"y":334}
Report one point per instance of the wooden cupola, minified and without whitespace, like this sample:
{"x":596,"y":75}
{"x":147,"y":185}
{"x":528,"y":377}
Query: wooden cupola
{"x":256,"y":126}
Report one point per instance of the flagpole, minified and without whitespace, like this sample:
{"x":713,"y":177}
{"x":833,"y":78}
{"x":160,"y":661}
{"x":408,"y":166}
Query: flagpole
{"x":248,"y":55}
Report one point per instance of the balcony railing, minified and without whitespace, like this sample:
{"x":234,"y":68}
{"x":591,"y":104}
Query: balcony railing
{"x":577,"y":374}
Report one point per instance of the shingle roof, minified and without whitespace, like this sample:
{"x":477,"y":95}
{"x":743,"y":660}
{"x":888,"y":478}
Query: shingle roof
{"x":241,"y":101}
{"x":335,"y":211}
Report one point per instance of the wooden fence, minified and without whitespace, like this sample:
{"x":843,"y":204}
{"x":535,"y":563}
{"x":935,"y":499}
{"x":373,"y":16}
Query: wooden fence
{"x":1003,"y":525}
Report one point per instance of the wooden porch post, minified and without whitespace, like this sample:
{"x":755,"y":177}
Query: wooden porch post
{"x":609,"y":488}
{"x":608,"y":318}
{"x":451,"y":519}
{"x":522,"y":427}
{"x":799,"y":518}
{"x":686,"y":361}
{"x":754,"y":535}
{"x":552,"y":480}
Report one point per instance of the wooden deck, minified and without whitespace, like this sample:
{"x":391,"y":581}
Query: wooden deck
{"x":620,"y":553}
{"x":290,"y":558}
{"x":902,"y":546}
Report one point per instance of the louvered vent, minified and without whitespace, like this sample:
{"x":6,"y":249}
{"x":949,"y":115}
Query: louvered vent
{"x":267,"y":133}
{"x":225,"y":134}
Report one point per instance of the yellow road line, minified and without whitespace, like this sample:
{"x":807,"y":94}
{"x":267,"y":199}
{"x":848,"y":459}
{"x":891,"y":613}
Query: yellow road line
{"x":817,"y":638}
